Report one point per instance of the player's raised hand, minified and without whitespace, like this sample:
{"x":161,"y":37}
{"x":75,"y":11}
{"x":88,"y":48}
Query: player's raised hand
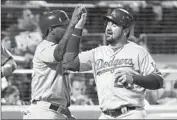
{"x":82,"y":21}
{"x":76,"y":15}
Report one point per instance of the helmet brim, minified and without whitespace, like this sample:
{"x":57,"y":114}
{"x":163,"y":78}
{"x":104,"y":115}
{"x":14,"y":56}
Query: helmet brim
{"x":110,"y":18}
{"x":65,"y":23}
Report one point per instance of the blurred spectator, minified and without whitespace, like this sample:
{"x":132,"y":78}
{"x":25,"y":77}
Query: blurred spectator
{"x":11,"y":96}
{"x":166,"y":95}
{"x":22,"y":38}
{"x":28,"y":40}
{"x":78,"y":89}
{"x":6,"y":42}
{"x":22,"y":82}
{"x":169,"y":95}
{"x":91,"y":91}
{"x":8,"y":65}
{"x":31,"y":37}
{"x":4,"y":83}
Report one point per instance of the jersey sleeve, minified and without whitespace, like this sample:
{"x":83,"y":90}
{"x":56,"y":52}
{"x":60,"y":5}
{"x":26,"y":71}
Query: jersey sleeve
{"x":86,"y":60}
{"x":46,"y":54}
{"x":146,"y":64}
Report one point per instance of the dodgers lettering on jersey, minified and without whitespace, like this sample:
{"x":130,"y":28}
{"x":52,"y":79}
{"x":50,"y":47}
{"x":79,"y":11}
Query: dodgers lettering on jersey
{"x":105,"y":66}
{"x":105,"y":63}
{"x":47,"y":80}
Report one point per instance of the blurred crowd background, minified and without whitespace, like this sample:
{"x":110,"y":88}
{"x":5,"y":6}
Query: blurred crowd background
{"x":155,"y":29}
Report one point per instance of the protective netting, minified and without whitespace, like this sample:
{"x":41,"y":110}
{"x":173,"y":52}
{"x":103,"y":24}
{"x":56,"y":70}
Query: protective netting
{"x":153,"y":22}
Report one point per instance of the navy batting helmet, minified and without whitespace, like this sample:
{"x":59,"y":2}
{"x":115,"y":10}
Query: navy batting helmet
{"x":53,"y":19}
{"x":120,"y":17}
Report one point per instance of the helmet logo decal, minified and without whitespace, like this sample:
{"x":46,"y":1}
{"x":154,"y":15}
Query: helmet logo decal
{"x":60,"y":19}
{"x":114,"y":14}
{"x":51,"y":17}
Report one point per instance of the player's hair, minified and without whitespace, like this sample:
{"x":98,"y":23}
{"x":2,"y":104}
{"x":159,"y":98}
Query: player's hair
{"x":128,"y":33}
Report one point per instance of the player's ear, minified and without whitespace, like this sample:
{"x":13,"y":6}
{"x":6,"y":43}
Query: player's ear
{"x":126,"y":31}
{"x":52,"y":30}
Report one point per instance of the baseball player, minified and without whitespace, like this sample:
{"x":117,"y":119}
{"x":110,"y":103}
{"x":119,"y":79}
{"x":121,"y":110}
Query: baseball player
{"x":122,"y":69}
{"x":50,"y":89}
{"x":8,"y":65}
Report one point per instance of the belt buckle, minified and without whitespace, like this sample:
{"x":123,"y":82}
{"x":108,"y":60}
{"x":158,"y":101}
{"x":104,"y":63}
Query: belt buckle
{"x":124,"y":110}
{"x":59,"y":108}
{"x":112,"y":113}
{"x":109,"y":112}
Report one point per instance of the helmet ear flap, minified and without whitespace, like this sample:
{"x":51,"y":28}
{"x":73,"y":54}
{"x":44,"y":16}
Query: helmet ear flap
{"x":47,"y":32}
{"x":52,"y":30}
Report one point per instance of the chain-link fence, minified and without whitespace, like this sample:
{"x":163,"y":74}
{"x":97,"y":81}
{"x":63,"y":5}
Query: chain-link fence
{"x":152,"y":25}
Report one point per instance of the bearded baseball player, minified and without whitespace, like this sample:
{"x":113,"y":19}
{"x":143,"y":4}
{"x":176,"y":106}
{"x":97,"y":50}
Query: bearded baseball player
{"x":122,"y":69}
{"x":50,"y":89}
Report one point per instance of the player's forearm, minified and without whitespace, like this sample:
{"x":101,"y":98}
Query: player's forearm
{"x":73,"y":64}
{"x":71,"y":60}
{"x":61,"y":47}
{"x":151,"y":81}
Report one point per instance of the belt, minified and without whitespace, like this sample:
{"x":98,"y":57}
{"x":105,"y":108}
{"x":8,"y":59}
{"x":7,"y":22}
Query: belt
{"x":118,"y":111}
{"x":58,"y":108}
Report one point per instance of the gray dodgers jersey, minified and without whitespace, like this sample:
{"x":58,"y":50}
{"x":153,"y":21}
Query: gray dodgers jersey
{"x":105,"y":62}
{"x":47,"y":81}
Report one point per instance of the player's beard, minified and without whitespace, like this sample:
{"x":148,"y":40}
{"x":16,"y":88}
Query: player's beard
{"x":112,"y":38}
{"x":60,"y":31}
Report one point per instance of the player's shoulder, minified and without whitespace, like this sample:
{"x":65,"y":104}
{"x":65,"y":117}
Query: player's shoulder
{"x":136,"y":48}
{"x":97,"y":49}
{"x":101,"y":48}
{"x":44,"y":44}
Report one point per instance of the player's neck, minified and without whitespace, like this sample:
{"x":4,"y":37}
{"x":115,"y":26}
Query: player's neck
{"x":51,"y":38}
{"x":119,"y":44}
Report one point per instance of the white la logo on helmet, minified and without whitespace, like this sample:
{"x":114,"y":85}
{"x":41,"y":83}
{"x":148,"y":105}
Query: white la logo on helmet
{"x":114,"y":13}
{"x":51,"y":17}
{"x":59,"y":19}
